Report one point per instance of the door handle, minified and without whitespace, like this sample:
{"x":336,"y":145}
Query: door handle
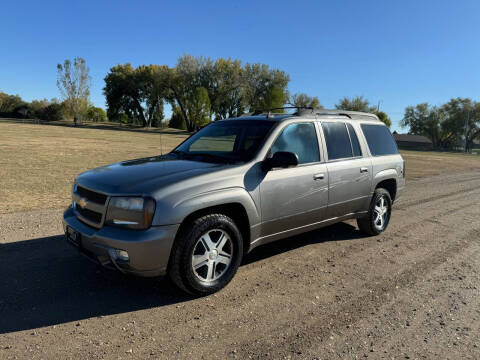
{"x":318,"y":176}
{"x":363,"y":169}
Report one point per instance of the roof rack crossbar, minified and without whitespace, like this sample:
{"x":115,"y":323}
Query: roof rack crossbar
{"x":268,"y":112}
{"x":334,"y":113}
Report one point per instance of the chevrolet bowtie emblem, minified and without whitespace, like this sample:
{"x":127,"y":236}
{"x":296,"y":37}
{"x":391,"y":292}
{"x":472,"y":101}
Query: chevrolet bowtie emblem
{"x":82,"y":202}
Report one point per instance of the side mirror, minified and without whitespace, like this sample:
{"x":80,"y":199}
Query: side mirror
{"x":281,"y":159}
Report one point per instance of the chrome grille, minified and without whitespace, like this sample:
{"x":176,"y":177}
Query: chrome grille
{"x":89,"y":206}
{"x":92,"y":195}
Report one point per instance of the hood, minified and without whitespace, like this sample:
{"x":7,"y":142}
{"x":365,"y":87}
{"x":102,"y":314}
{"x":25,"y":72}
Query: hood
{"x":141,"y":176}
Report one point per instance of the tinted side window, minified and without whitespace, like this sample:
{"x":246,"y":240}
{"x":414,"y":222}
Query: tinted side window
{"x":338,"y":141}
{"x":357,"y":151}
{"x":379,"y":139}
{"x":300,"y":139}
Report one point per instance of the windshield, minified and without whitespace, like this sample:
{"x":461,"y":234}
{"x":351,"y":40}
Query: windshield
{"x":227,"y":141}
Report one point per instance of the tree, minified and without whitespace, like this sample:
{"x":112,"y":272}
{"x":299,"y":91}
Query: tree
{"x":9,"y":104}
{"x":96,"y":114}
{"x":177,"y":121}
{"x":53,"y":112}
{"x":197,"y":88}
{"x":73,"y":81}
{"x":454,"y":124}
{"x":462,"y":121}
{"x":138,"y":93}
{"x":303,"y":100}
{"x":423,"y":120}
{"x":151,"y":93}
{"x":358,"y":103}
{"x":189,"y":75}
{"x":432,"y":122}
{"x":198,"y":105}
{"x":274,"y":98}
{"x":226,"y":93}
{"x":264,"y":88}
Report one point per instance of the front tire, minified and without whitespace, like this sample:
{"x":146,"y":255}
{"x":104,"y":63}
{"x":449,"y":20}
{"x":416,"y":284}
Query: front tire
{"x":378,"y":215}
{"x":206,"y":255}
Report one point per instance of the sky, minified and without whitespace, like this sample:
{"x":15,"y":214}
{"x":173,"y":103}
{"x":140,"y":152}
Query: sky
{"x":394,"y":53}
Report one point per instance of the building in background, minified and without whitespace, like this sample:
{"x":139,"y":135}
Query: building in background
{"x":412,"y":142}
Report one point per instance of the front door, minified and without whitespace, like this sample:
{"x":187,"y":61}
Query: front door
{"x":297,"y":196}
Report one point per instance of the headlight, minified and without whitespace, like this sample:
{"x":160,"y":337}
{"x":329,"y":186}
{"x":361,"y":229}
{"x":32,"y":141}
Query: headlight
{"x":130,"y":212}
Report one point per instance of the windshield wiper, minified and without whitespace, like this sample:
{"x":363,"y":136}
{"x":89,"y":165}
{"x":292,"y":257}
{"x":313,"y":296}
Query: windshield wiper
{"x":203,"y":156}
{"x":179,"y":153}
{"x":208,"y":156}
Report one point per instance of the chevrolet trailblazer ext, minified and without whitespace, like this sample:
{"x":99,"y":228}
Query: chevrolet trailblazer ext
{"x":232,"y":186}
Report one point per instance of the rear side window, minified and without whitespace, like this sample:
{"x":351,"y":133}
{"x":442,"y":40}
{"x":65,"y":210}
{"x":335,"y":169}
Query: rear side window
{"x":379,"y":139}
{"x":355,"y":144}
{"x":338,"y":141}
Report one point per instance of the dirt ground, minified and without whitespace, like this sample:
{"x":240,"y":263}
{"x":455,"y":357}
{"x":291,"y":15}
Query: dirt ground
{"x":411,"y":293}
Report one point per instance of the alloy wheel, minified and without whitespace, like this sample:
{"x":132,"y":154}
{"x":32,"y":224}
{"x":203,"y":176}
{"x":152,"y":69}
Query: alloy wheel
{"x":212,"y":255}
{"x":381,"y":213}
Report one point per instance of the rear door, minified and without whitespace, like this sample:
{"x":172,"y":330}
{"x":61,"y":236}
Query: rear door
{"x":297,"y":196}
{"x":348,"y":168}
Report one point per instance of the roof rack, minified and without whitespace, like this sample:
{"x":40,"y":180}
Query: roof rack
{"x":269,"y":113}
{"x":320,"y":112}
{"x":310,"y":111}
{"x":339,"y":112}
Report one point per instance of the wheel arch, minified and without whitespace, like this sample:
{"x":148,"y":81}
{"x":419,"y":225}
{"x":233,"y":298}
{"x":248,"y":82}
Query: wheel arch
{"x":390,"y":185}
{"x":234,"y":210}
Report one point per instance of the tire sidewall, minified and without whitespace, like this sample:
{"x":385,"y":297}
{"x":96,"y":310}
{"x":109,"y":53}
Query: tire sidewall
{"x":379,"y":193}
{"x":199,"y":228}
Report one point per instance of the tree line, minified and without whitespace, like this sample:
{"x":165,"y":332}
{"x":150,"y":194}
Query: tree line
{"x":201,"y":90}
{"x":13,"y":106}
{"x":73,"y":81}
{"x":455,"y":124}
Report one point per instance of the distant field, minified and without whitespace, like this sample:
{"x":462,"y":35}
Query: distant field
{"x":39,"y":162}
{"x":421,"y":164}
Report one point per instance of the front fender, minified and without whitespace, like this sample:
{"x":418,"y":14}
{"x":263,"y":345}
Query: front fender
{"x":176,"y":213}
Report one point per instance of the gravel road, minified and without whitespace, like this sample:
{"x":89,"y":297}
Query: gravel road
{"x":413,"y":292}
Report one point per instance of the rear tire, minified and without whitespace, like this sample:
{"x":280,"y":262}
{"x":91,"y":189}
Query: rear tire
{"x":206,"y":255}
{"x":379,"y":213}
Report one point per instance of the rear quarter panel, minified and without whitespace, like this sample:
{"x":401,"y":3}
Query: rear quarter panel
{"x":388,"y":167}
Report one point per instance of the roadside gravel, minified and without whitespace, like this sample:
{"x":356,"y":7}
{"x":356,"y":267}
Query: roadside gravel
{"x":412,"y":292}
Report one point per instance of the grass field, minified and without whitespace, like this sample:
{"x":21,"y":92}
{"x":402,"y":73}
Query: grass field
{"x":39,"y":162}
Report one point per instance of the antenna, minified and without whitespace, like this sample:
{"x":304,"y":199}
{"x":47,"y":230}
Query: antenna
{"x":161,"y":143}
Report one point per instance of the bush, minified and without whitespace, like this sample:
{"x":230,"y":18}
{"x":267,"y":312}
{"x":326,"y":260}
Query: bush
{"x":96,"y":114}
{"x":177,"y":121}
{"x":52,"y":112}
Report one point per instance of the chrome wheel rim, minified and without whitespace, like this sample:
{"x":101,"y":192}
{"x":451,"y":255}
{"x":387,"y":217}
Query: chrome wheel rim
{"x":380,"y":213}
{"x":212,"y":255}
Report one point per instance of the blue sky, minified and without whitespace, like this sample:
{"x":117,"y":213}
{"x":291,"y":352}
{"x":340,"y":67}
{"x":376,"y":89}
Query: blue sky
{"x":398,"y":52}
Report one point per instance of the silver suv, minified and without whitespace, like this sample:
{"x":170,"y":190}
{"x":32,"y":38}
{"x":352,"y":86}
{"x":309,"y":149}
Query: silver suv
{"x":232,"y":186}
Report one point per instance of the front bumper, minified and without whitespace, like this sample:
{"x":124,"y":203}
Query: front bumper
{"x":148,"y":250}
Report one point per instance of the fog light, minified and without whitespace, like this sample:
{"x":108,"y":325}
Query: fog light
{"x":121,"y":255}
